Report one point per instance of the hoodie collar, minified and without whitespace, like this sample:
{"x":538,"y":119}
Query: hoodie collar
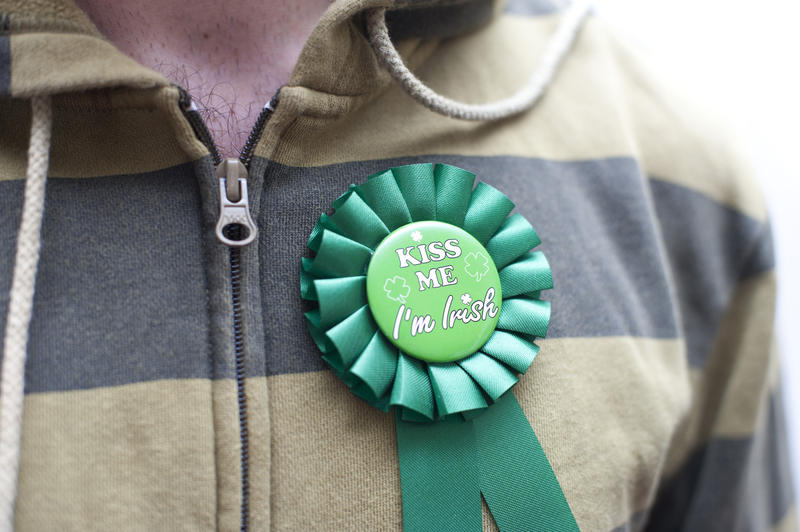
{"x":51,"y":46}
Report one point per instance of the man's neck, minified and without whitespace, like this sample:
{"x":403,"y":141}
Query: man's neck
{"x":231,"y":55}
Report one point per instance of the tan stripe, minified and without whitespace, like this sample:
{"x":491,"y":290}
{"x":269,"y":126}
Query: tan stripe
{"x":337,"y":58}
{"x":489,"y":524}
{"x":49,"y":63}
{"x":260,"y":452}
{"x":473,"y":69}
{"x":13,"y":156}
{"x":788,"y":523}
{"x":745,"y":346}
{"x":120,"y":132}
{"x":228,"y":446}
{"x":603,"y":408}
{"x":165,"y":452}
{"x":133,"y":457}
{"x":729,"y":396}
{"x":44,"y":15}
{"x":594,"y":109}
{"x":302,"y":110}
{"x":334,"y":458}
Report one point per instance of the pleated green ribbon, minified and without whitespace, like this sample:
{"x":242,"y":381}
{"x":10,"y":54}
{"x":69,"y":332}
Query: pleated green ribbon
{"x":460,"y":432}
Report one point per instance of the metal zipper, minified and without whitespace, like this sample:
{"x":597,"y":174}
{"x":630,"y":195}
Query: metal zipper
{"x":234,"y":206}
{"x":236,"y":229}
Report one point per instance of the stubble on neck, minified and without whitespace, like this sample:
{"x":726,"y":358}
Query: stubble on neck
{"x":231,"y":56}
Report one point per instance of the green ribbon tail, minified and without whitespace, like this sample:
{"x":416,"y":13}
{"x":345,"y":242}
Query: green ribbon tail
{"x":516,"y":479}
{"x":439,"y":476}
{"x":445,"y":466}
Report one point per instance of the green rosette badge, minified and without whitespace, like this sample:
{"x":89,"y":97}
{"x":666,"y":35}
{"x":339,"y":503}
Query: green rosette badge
{"x":426,"y":293}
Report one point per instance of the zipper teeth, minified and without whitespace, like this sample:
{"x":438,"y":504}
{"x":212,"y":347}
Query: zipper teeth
{"x":201,"y":131}
{"x":255,"y":134}
{"x":198,"y":125}
{"x":238,"y":346}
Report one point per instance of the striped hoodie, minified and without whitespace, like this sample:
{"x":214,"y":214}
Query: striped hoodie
{"x":656,"y":395}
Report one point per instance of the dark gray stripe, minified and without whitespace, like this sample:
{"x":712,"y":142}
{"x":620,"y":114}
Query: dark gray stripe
{"x":534,"y":8}
{"x":120,"y":293}
{"x":123,"y":295}
{"x":634,"y":524}
{"x":439,"y":21}
{"x":731,"y":484}
{"x":599,"y":233}
{"x":5,"y":57}
{"x":761,"y":256}
{"x":593,"y":217}
{"x":711,"y":249}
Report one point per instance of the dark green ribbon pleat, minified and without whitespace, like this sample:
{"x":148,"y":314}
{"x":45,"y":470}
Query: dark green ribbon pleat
{"x":454,"y":390}
{"x":417,"y":185}
{"x":439,"y":476}
{"x":453,"y":191}
{"x":318,"y":333}
{"x":513,"y":351}
{"x":376,"y":367}
{"x":515,"y":238}
{"x":383,"y":195}
{"x":338,"y":256}
{"x":516,"y":478}
{"x":493,"y":377}
{"x":307,"y":290}
{"x":339,"y":298}
{"x":412,"y":388}
{"x":360,"y":223}
{"x":525,"y":316}
{"x":322,"y":224}
{"x":527,"y":276}
{"x":488,"y":208}
{"x":352,"y":335}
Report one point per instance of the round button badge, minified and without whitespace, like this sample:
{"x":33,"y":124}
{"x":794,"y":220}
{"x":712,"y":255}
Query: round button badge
{"x":434,"y":291}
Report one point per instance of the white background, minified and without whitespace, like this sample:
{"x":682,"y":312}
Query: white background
{"x":743,"y":60}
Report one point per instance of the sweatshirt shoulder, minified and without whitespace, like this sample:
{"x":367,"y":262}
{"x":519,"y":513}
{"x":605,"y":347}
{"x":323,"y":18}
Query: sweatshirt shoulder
{"x":679,"y":139}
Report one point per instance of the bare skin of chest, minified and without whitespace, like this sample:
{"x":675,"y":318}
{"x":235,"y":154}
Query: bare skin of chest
{"x":230,"y":56}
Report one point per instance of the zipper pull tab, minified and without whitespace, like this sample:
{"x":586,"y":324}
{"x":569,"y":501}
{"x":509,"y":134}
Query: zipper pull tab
{"x":234,"y":209}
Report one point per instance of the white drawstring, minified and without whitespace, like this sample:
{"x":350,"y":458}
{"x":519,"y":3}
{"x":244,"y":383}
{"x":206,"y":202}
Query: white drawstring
{"x":524,"y":99}
{"x":20,"y":307}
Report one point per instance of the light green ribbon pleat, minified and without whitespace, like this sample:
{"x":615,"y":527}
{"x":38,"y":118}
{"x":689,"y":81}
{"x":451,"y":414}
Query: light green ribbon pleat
{"x":445,"y":466}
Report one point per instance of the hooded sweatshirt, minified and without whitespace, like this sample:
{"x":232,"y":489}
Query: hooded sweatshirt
{"x":166,"y":388}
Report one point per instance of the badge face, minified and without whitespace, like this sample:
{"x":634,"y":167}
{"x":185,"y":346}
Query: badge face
{"x":434,"y":291}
